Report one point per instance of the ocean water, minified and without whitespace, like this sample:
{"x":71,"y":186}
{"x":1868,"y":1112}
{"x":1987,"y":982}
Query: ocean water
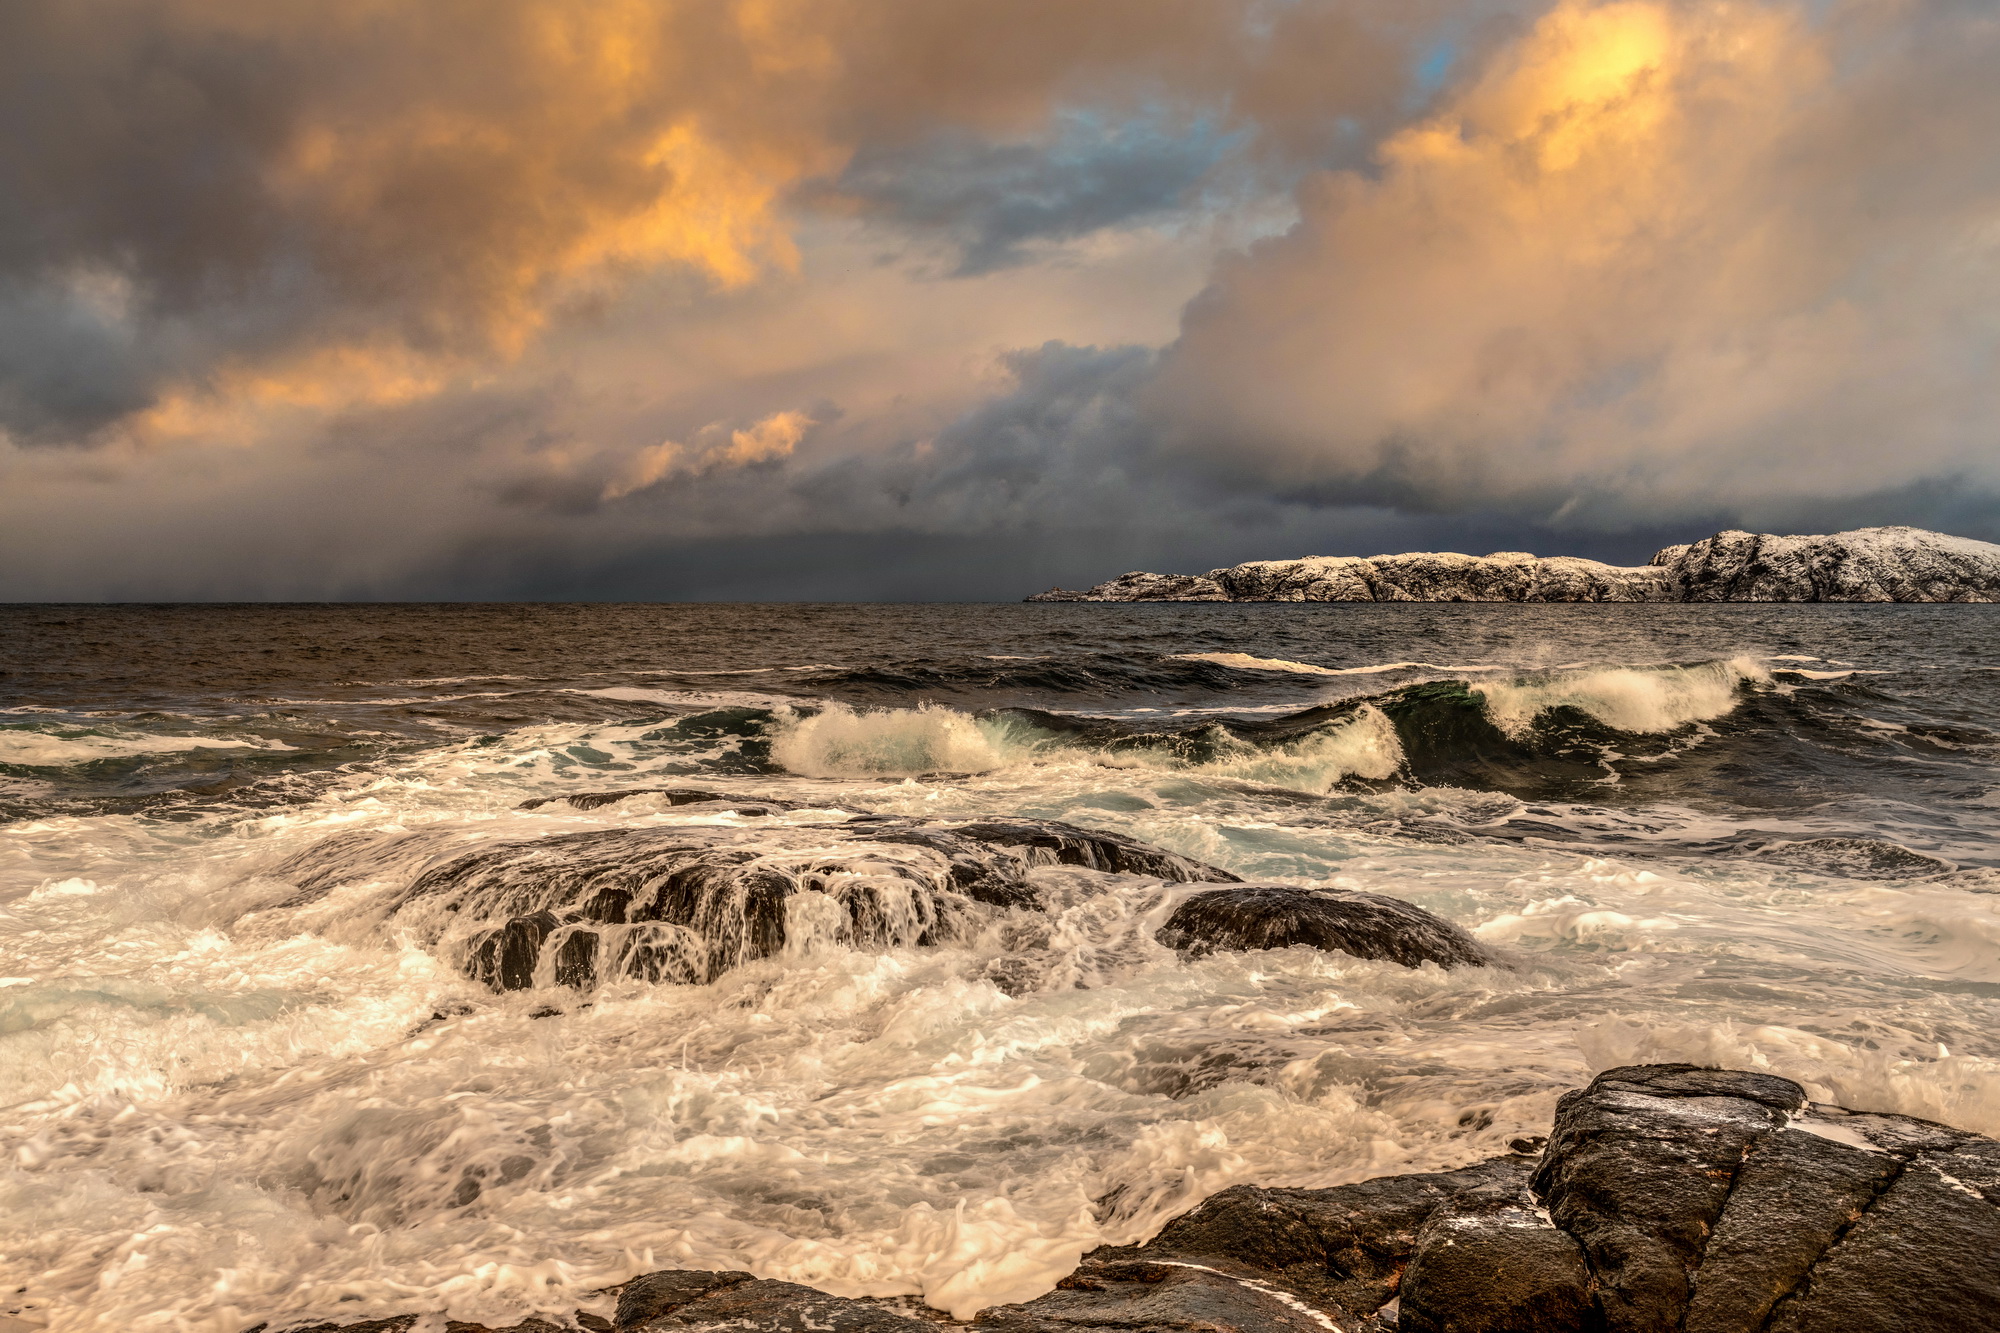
{"x":1758,"y":836}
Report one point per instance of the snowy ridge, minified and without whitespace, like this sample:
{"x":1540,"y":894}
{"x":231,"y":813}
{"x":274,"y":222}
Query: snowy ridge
{"x":1892,"y":564}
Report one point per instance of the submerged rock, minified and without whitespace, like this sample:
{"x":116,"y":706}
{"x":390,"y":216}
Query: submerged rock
{"x":1892,"y":564}
{"x":1856,"y":858}
{"x":1158,"y":1296}
{"x":685,"y":904}
{"x":682,"y":796}
{"x":1277,"y":916}
{"x":1051,"y":842}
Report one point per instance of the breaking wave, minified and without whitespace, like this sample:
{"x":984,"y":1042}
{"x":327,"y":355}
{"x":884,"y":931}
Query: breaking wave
{"x":1642,"y":700}
{"x":1531,"y":733}
{"x":840,"y":742}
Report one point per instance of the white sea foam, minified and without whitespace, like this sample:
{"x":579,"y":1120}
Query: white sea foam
{"x":38,"y":749}
{"x":689,"y":698}
{"x":1245,"y":662}
{"x":1858,"y":1073}
{"x":1637,"y":699}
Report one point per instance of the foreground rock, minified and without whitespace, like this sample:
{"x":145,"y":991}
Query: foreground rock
{"x":1669,"y":1199}
{"x":1893,"y":564}
{"x":1278,"y":916}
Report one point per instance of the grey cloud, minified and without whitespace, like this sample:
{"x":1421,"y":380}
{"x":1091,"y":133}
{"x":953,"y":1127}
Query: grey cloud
{"x":67,"y":363}
{"x":991,"y":200}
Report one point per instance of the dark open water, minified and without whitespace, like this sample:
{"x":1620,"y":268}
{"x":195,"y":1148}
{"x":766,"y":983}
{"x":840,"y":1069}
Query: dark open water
{"x":1748,"y":835}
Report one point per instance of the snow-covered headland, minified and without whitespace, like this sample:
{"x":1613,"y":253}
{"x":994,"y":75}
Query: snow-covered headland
{"x":1892,"y":564}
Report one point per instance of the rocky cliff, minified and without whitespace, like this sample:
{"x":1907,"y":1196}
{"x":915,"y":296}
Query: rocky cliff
{"x":1865,"y":565}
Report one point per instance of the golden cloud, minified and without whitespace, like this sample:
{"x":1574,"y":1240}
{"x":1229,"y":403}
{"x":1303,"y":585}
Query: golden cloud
{"x":1629,"y":258}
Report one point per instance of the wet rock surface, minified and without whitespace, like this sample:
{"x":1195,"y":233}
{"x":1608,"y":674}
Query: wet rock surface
{"x":739,"y":1301}
{"x":1668,"y":1198}
{"x":1277,"y":916}
{"x":1889,"y":564}
{"x":681,"y":796}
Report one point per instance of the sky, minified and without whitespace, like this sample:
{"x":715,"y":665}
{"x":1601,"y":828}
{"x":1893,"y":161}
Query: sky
{"x":901,"y":300}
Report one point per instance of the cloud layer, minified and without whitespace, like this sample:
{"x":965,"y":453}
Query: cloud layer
{"x":528,"y":298}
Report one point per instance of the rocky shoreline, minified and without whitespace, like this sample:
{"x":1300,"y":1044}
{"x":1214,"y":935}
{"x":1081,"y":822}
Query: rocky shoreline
{"x":1667,"y":1198}
{"x":1892,"y":564}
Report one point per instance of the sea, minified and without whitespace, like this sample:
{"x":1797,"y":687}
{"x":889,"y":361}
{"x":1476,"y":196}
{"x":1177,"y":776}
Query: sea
{"x":1752,"y":836}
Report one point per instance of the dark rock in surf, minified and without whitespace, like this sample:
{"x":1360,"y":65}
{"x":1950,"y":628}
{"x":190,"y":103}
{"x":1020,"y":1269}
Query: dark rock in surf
{"x":744,"y":1304}
{"x":403,"y":1323}
{"x":1856,"y":858}
{"x":1277,"y":916}
{"x":685,"y":904}
{"x":505,"y":959}
{"x":1495,"y":1266}
{"x":720,"y":802}
{"x":1042,"y":842}
{"x":691,"y":1300}
{"x":1720,"y":1200}
{"x":1341,"y":1250}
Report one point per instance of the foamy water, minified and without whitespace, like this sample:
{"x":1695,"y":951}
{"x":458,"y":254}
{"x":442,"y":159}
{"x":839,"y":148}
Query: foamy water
{"x":222,"y":1107}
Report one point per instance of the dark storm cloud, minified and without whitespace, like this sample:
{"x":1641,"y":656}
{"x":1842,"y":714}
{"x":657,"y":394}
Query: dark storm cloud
{"x":70,"y":363}
{"x":989,"y":200}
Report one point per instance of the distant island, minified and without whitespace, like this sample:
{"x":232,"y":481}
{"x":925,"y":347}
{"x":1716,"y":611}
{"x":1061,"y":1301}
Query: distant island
{"x":1866,"y":565}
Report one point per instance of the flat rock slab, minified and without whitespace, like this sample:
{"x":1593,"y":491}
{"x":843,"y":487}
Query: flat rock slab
{"x":1166,"y":1296}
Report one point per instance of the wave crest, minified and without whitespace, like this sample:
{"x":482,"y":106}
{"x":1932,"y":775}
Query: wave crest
{"x":839,"y":742}
{"x":1646,"y":700}
{"x":1364,"y":745}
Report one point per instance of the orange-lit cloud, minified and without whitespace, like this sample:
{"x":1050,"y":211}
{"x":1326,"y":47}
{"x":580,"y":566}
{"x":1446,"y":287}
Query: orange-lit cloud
{"x":282,"y":185}
{"x":716,"y":447}
{"x":1629,"y":270}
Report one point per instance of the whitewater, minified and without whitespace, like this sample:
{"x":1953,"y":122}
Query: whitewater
{"x":1760,"y":837}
